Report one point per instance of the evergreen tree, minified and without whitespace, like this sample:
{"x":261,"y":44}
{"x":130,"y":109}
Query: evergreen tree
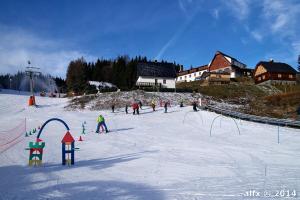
{"x":77,"y":76}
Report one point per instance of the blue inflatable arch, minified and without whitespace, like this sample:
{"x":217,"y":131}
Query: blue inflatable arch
{"x":52,"y":119}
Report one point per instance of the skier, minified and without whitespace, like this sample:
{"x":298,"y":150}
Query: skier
{"x":298,"y":114}
{"x":113,"y":107}
{"x":101,"y":122}
{"x":181,"y":103}
{"x":140,"y":104}
{"x":126,"y":109}
{"x":166,"y":106}
{"x":153,"y":105}
{"x":195,"y":106}
{"x":135,"y":107}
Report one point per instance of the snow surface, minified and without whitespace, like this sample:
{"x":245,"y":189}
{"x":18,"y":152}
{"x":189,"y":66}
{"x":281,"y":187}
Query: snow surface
{"x":102,"y":84}
{"x":151,"y":156}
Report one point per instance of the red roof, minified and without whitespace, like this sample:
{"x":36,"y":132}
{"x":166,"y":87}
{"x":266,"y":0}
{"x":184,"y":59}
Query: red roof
{"x":68,"y":138}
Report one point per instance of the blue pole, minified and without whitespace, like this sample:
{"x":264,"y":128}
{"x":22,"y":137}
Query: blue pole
{"x":278,"y":135}
{"x":63,"y":152}
{"x":72,"y":153}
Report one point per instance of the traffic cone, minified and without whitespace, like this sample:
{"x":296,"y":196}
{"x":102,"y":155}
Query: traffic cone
{"x":30,"y":133}
{"x":80,"y":139}
{"x":26,"y":134}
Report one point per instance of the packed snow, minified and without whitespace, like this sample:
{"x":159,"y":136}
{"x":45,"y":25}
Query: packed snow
{"x":154,"y":155}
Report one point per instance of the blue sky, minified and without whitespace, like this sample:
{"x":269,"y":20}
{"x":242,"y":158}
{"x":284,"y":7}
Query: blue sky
{"x":51,"y":33}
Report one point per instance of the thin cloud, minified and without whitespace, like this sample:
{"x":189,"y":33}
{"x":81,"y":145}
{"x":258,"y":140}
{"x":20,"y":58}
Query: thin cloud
{"x":257,"y":35}
{"x":240,"y":9}
{"x":18,"y":46}
{"x":215,"y":13}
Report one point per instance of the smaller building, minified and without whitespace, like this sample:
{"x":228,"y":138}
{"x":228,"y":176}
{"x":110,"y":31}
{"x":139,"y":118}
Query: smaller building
{"x":156,"y":75}
{"x":274,"y":73}
{"x":191,"y":74}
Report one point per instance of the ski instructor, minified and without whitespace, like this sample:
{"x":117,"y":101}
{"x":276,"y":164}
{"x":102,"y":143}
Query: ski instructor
{"x":101,"y":122}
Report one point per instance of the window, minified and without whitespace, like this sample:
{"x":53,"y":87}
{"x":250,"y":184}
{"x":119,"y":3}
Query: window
{"x":279,"y":75}
{"x":291,"y":76}
{"x":190,"y":75}
{"x":164,"y":81}
{"x":194,"y":74}
{"x":180,"y":78}
{"x":259,"y":78}
{"x":184,"y":77}
{"x":263,"y":77}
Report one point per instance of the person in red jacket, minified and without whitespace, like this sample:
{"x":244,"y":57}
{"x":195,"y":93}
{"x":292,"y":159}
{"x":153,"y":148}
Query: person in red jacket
{"x":135,"y":107}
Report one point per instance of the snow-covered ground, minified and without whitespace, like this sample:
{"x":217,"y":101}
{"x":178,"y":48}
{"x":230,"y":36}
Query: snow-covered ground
{"x":154,"y":155}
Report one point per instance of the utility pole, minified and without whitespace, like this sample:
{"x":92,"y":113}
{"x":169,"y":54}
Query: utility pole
{"x":31,"y":72}
{"x":299,"y":63}
{"x":10,"y":79}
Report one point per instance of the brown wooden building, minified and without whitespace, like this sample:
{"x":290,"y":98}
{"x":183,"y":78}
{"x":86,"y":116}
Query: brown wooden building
{"x":274,"y":73}
{"x":223,"y":63}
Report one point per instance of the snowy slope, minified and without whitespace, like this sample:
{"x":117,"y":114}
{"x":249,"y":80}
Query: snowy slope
{"x":150,"y":156}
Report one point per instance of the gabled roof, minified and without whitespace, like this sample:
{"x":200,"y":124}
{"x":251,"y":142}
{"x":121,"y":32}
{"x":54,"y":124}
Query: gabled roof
{"x":67,"y":138}
{"x":156,"y":69}
{"x":232,"y":60}
{"x":278,"y":67}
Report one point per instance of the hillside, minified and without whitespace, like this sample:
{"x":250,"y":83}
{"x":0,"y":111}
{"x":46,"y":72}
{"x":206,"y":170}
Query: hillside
{"x":262,"y":100}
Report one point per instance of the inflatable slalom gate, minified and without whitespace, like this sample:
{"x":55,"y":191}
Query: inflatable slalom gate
{"x":68,"y":147}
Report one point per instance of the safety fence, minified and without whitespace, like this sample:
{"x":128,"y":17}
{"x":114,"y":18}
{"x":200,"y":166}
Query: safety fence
{"x":9,"y":138}
{"x":254,"y":118}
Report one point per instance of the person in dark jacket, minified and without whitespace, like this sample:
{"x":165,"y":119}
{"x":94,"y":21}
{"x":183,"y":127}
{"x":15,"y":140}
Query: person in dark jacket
{"x":126,"y":109}
{"x":195,"y":106}
{"x":181,"y":104}
{"x":298,"y":114}
{"x":113,"y":107}
{"x":166,"y":106}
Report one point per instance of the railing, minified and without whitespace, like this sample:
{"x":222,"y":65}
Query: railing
{"x":148,"y":84}
{"x":254,"y":118}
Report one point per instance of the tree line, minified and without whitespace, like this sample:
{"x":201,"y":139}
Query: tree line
{"x":121,"y":72}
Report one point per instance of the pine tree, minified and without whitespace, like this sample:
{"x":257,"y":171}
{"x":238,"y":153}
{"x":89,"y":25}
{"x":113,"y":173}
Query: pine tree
{"x":77,"y":76}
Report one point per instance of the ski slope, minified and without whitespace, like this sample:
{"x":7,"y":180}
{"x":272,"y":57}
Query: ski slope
{"x":154,"y":155}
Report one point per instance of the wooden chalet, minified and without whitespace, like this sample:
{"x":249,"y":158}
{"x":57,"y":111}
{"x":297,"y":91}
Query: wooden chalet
{"x":274,"y":73}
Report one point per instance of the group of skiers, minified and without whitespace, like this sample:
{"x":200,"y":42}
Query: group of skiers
{"x":136,"y":106}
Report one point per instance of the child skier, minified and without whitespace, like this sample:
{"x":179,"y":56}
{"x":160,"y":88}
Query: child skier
{"x":195,"y":106}
{"x":181,"y":103}
{"x":101,"y":122}
{"x":166,"y":106}
{"x":135,"y":107}
{"x":113,"y":107}
{"x":153,"y":105}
